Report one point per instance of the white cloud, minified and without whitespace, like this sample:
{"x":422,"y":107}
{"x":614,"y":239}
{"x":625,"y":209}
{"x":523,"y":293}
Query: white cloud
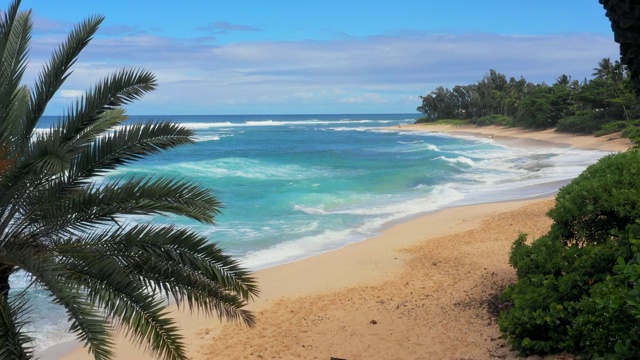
{"x":365,"y":99}
{"x":71,"y":93}
{"x":378,"y":73}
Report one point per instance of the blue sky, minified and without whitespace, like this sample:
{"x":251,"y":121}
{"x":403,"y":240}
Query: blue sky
{"x":291,"y":57}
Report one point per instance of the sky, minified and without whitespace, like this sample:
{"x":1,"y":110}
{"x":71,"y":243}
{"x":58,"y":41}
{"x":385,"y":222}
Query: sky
{"x":314,"y":57}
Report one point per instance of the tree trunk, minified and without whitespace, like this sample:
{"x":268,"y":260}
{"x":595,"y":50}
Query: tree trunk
{"x":626,"y":115}
{"x":5,"y":272}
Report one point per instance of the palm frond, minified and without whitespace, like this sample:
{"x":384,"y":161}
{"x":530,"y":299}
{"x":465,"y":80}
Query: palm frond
{"x":58,"y":69}
{"x":189,"y":288}
{"x":83,"y":124}
{"x":191,"y":250}
{"x":82,"y":209}
{"x":15,"y":34}
{"x":127,"y":144}
{"x":11,"y":129}
{"x":50,"y":204}
{"x":14,"y":342}
{"x":90,"y":327}
{"x":176,"y":262}
{"x":45,"y":174}
{"x":124,"y":299}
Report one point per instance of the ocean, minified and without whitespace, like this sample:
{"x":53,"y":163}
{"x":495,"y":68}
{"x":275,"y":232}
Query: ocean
{"x":294,"y":186}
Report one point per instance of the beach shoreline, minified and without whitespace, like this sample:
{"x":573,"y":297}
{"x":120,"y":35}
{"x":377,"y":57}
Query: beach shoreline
{"x":419,"y":290}
{"x":519,"y":137}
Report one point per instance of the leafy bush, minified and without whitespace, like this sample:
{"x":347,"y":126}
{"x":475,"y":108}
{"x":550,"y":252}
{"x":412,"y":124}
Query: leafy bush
{"x":612,"y":127}
{"x":632,"y":133}
{"x":452,"y":122}
{"x":500,"y":120}
{"x":607,"y":320}
{"x":547,"y":300}
{"x":584,"y":122}
{"x":578,"y":287}
{"x":537,"y":323}
{"x":605,"y":197}
{"x":543,"y":256}
{"x":424,"y":119}
{"x":630,"y":129}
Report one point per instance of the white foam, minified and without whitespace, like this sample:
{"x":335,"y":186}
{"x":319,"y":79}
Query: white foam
{"x":379,"y":216}
{"x":296,"y":249}
{"x":459,"y":159}
{"x":202,"y":138}
{"x":310,"y":210}
{"x":257,"y":123}
{"x":231,"y":167}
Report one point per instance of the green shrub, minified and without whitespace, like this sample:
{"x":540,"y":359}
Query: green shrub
{"x":607,"y":321}
{"x":548,"y":297}
{"x":454,"y":122}
{"x":584,"y":122}
{"x":537,"y":322}
{"x":424,"y":119}
{"x":632,"y":133}
{"x":612,"y":127}
{"x":499,"y":120}
{"x":578,"y":287}
{"x":605,"y":197}
{"x":543,"y":256}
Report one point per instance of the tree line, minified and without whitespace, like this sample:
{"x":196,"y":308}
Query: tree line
{"x":568,"y":104}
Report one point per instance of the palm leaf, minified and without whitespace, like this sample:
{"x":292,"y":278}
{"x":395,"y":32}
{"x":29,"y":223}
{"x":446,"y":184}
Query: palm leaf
{"x":90,"y":327}
{"x":81,"y":210}
{"x":125,"y":300}
{"x":127,"y":144}
{"x":58,"y":69}
{"x":14,"y":342}
{"x":15,"y":33}
{"x":83,"y":124}
{"x":50,"y":204}
{"x":179,"y":263}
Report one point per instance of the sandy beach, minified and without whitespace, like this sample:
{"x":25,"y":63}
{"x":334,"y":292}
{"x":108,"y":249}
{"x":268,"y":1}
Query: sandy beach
{"x":420,"y":290}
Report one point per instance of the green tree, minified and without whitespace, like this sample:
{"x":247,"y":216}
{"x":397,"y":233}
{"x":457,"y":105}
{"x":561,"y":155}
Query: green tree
{"x":544,"y":107}
{"x":607,"y":69}
{"x":67,"y":231}
{"x":563,"y":80}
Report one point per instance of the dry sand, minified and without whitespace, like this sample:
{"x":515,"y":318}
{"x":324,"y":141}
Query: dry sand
{"x":421,"y":290}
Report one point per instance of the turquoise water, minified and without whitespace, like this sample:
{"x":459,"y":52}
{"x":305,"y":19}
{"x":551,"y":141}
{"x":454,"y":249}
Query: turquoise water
{"x":298,"y":185}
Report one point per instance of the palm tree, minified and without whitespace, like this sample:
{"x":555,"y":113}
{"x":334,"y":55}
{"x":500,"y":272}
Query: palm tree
{"x":563,"y":80}
{"x":609,"y":70}
{"x":69,"y":232}
{"x":604,"y":69}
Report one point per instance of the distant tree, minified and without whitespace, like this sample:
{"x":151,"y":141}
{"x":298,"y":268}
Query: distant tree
{"x":544,"y":107}
{"x":604,"y":70}
{"x":563,"y":80}
{"x":69,"y":233}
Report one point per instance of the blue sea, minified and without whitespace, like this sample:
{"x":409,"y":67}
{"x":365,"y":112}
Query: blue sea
{"x":294,"y":186}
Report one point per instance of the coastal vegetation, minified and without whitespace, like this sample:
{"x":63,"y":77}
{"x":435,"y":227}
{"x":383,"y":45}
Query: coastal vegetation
{"x":66,"y":226}
{"x":601,"y":105}
{"x":578,"y":287}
